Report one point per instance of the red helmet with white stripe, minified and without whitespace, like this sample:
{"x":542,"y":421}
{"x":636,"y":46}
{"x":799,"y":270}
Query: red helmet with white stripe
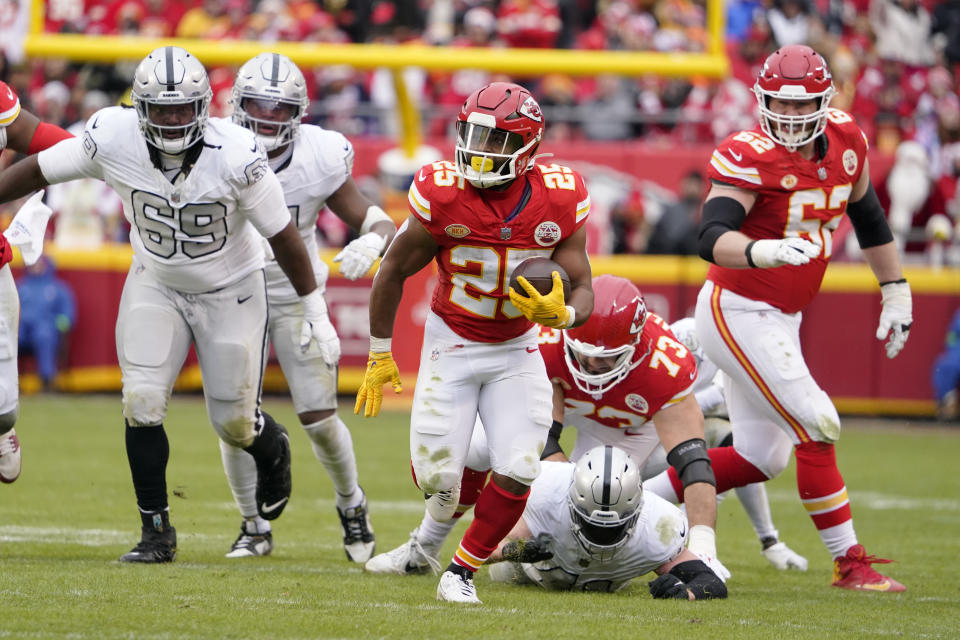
{"x":498,"y":130}
{"x":603,"y":350}
{"x":795,"y":72}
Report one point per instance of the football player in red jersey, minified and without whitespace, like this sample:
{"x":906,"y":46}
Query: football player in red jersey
{"x":778,"y":193}
{"x":23,"y":132}
{"x":478,"y":218}
{"x":622,"y":379}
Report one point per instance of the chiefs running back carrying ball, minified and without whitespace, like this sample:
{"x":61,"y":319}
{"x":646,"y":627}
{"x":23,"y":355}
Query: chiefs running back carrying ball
{"x":778,"y":194}
{"x":478,"y":218}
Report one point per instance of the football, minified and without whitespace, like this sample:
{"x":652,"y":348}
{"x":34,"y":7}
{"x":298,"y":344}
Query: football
{"x":538,"y":272}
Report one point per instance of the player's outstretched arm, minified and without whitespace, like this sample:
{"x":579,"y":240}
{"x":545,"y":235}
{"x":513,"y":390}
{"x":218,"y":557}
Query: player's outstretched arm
{"x":28,"y":134}
{"x":411,"y":250}
{"x":375,"y":227}
{"x":571,"y":254}
{"x":20,"y":179}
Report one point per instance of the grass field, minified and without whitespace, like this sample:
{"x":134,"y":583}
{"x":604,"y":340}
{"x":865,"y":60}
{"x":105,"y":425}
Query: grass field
{"x":72,"y":513}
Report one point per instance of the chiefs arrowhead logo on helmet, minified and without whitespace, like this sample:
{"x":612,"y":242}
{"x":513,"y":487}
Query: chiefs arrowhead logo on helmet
{"x":531,"y":109}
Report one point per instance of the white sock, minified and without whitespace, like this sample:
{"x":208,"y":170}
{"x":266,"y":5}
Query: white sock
{"x":839,"y":538}
{"x":256,"y":525}
{"x":241,"y":473}
{"x":333,"y":447}
{"x":433,"y":534}
{"x":753,"y":497}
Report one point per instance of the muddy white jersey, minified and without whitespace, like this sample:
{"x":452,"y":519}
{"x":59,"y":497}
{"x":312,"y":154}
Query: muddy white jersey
{"x":658,"y":536}
{"x":321,"y":163}
{"x":194,"y":234}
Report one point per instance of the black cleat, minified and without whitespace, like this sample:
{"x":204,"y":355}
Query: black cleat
{"x":158,"y":542}
{"x":358,"y":540}
{"x":271,"y":452}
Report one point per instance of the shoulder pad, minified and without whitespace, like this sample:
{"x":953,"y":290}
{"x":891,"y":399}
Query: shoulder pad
{"x":565,"y":189}
{"x":738,"y":160}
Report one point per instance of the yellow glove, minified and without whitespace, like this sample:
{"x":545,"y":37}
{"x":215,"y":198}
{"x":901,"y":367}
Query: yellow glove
{"x":549,"y":310}
{"x":381,"y":369}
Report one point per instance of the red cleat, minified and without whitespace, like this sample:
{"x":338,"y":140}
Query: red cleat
{"x":853,"y":571}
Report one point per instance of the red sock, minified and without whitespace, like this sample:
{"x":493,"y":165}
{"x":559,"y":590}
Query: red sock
{"x":471,"y":485}
{"x":821,"y":486}
{"x":730,"y":469}
{"x":496,"y":512}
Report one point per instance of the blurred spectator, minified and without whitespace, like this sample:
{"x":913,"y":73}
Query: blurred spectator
{"x":628,"y":227}
{"x":340,"y":94}
{"x":945,"y":27}
{"x":676,"y":230}
{"x":902,"y":30}
{"x":531,"y":24}
{"x":908,"y":186}
{"x":557,"y":95}
{"x":209,"y":20}
{"x":946,"y":373}
{"x":789,"y":21}
{"x":741,"y":16}
{"x":608,"y":113}
{"x":14,"y":15}
{"x":47,"y":313}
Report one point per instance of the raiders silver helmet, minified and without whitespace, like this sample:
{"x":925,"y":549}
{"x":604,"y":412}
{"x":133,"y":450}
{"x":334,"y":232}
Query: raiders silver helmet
{"x":269,"y":98}
{"x":604,"y":499}
{"x":171,"y":93}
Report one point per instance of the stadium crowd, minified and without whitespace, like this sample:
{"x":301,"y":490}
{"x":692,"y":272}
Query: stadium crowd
{"x":895,"y":64}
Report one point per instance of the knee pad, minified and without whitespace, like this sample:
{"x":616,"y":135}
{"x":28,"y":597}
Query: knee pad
{"x":524,"y":468}
{"x":232,"y":364}
{"x":8,"y":420}
{"x":434,"y":478}
{"x":326,"y":431}
{"x":238,"y":432}
{"x":144,"y":407}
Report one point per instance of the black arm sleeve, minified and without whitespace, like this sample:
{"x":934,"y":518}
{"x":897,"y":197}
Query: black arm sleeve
{"x":869,"y":222}
{"x":719,"y":216}
{"x":553,"y":440}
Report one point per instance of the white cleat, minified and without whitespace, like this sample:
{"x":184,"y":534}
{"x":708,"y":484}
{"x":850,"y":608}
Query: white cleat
{"x":9,"y":456}
{"x":410,"y":558}
{"x":358,"y":539}
{"x":454,"y":588}
{"x":443,"y":504}
{"x":783,"y":557}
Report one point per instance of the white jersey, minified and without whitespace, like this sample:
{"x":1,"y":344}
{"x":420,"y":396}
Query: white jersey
{"x":196,"y":234}
{"x":321,"y":163}
{"x":658,"y":536}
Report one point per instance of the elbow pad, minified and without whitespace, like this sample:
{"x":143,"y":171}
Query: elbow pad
{"x":719,"y":216}
{"x":869,"y":222}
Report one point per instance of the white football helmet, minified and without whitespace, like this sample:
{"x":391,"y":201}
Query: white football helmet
{"x":166,"y":84}
{"x":604,"y":499}
{"x":270,"y":98}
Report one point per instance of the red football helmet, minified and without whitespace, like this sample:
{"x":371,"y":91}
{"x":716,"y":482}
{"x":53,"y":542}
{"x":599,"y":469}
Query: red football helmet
{"x":612,"y":332}
{"x":794,"y":72}
{"x":498,"y":131}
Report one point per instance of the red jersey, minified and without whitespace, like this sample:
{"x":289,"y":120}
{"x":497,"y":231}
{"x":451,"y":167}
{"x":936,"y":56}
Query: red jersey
{"x":663,"y":374}
{"x":9,"y":110}
{"x":795,"y":198}
{"x":484,"y":234}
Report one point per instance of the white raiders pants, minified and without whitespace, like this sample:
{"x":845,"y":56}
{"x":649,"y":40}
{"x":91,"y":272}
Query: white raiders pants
{"x":505,"y":383}
{"x":773,"y":401}
{"x":9,"y":324}
{"x":227,"y":327}
{"x":312,"y":382}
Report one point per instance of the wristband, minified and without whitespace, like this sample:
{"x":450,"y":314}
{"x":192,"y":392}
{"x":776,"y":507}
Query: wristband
{"x":900,"y":281}
{"x":374,"y":215}
{"x":572,"y":318}
{"x":380,"y":345}
{"x":747,"y":253}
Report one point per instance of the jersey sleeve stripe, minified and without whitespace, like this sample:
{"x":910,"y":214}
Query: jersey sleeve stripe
{"x":10,"y":114}
{"x":678,"y":397}
{"x":583,"y":209}
{"x":726,"y":168}
{"x":418,"y":202}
